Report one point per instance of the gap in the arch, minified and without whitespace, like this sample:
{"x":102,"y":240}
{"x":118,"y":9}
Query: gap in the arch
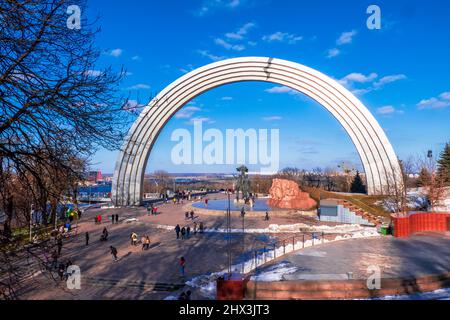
{"x":310,"y":136}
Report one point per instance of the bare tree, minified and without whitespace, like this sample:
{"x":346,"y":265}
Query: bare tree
{"x":56,"y":109}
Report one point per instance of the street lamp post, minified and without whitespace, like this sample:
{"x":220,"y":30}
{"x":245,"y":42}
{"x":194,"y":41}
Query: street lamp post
{"x":243,"y":235}
{"x":229,"y":233}
{"x":31,"y":222}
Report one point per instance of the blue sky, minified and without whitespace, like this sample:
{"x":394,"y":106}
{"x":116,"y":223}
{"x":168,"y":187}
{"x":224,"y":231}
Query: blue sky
{"x":401,"y":72}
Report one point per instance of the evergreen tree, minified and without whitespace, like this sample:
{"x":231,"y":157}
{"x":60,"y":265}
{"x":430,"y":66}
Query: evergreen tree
{"x":443,"y":170}
{"x":357,"y":184}
{"x":424,"y":178}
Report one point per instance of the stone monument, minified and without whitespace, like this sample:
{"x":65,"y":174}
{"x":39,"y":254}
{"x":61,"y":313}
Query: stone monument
{"x":286,"y":194}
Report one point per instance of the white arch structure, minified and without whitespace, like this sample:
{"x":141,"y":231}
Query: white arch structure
{"x":378,"y":158}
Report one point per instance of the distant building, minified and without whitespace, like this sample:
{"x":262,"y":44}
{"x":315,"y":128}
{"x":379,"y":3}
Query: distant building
{"x":94,"y":176}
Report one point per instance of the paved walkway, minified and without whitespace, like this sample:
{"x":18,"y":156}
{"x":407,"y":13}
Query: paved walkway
{"x":146,"y":274}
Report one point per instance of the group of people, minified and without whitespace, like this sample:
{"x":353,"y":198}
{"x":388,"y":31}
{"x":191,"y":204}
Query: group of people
{"x":152,"y":210}
{"x":189,"y":215}
{"x":61,"y":267}
{"x":185,"y":232}
{"x":114,"y":218}
{"x":62,"y":270}
{"x":145,"y":240}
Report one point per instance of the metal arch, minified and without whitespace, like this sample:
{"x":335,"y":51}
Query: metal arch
{"x":377,"y":155}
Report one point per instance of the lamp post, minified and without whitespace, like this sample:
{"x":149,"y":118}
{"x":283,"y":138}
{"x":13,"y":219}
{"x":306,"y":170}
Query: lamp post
{"x":31,"y":222}
{"x":229,"y":233}
{"x":243,"y":235}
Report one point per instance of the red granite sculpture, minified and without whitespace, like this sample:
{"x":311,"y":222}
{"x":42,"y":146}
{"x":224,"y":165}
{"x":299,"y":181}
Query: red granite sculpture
{"x":286,"y":194}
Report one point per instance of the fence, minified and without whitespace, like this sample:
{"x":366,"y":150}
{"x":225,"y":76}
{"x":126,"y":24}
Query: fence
{"x":284,"y":246}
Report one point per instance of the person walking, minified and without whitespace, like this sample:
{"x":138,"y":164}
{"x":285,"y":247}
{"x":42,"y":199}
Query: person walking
{"x":113,"y":252}
{"x":188,"y":232}
{"x":59,"y":244}
{"x":147,"y":242}
{"x":99,"y":219}
{"x":195,"y":228}
{"x":87,"y":238}
{"x":267,"y":216}
{"x":104,"y":236}
{"x":186,"y":215}
{"x":61,"y":271}
{"x":192,"y":215}
{"x":54,"y":259}
{"x":182,"y":266}
{"x":177,"y":230}
{"x":143,"y":241}
{"x":201,"y":227}
{"x":117,"y":218}
{"x":134,"y":239}
{"x":183,"y":233}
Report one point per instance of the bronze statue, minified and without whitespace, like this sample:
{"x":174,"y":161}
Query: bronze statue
{"x":243,"y":184}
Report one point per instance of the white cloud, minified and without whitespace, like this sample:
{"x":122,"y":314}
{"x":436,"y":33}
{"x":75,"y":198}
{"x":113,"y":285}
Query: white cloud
{"x":229,"y":46}
{"x":207,"y":54}
{"x":201,"y":119}
{"x":93,"y":73}
{"x":441,"y":102}
{"x":346,"y":38}
{"x":211,"y":5}
{"x":389,"y":79}
{"x":187,"y":69}
{"x":241,"y":32}
{"x":186,"y":112}
{"x":445,"y":96}
{"x":136,"y":58}
{"x":234,"y":3}
{"x":281,"y":89}
{"x":272,"y":118}
{"x":360,"y":92}
{"x":333,"y":53}
{"x":227,"y":98}
{"x":283,"y":37}
{"x":140,"y":86}
{"x":358,"y":77}
{"x":116,"y":53}
{"x":133,"y":106}
{"x":386,"y":110}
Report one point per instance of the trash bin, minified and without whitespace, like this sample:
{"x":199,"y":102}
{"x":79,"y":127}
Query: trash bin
{"x":384,"y":230}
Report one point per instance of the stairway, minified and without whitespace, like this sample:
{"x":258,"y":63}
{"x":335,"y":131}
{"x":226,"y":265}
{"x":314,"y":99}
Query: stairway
{"x":343,"y":211}
{"x":360,"y":212}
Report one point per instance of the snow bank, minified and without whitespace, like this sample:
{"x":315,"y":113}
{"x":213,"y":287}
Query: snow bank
{"x":289,"y":228}
{"x":275,"y":273}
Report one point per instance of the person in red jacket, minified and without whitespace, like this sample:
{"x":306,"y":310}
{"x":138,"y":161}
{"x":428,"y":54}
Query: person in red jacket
{"x":182,"y":265}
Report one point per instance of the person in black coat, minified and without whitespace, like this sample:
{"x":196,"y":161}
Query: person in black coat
{"x":113,"y":252}
{"x":177,"y":230}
